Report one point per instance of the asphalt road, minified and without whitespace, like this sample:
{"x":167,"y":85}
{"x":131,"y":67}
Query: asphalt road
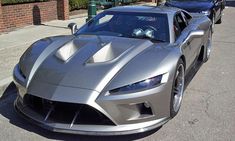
{"x":207,"y":112}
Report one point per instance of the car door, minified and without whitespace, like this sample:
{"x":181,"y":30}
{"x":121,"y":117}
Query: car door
{"x":188,"y":45}
{"x":180,"y":35}
{"x":195,"y":43}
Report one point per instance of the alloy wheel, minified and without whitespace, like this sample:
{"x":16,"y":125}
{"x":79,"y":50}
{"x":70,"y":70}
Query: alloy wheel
{"x":208,"y":52}
{"x":213,"y":23}
{"x":178,"y":88}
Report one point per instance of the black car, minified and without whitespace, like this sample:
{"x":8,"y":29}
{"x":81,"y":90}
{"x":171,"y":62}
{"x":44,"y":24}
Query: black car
{"x":212,"y":8}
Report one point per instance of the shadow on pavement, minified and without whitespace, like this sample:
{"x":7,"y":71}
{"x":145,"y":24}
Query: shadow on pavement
{"x":76,"y":17}
{"x":54,"y":26}
{"x":7,"y":110}
{"x":192,"y":72}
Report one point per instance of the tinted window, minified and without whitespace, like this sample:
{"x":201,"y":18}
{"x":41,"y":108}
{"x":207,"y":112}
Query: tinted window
{"x":180,"y":21}
{"x":177,"y":29}
{"x":129,"y":24}
{"x":186,"y":16}
{"x":180,"y":24}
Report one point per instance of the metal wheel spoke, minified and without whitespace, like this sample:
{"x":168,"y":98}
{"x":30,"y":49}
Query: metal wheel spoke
{"x":178,"y":88}
{"x":176,"y":98}
{"x":175,"y":106}
{"x":176,"y":76}
{"x":209,"y":46}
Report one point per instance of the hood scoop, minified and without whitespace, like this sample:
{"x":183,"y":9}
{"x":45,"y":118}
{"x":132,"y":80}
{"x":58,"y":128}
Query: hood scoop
{"x":66,"y":51}
{"x":69,"y":49}
{"x":104,"y":50}
{"x":80,"y":58}
{"x":107,"y":53}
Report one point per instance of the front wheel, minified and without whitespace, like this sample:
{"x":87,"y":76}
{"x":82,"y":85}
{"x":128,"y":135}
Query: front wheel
{"x":177,"y":89}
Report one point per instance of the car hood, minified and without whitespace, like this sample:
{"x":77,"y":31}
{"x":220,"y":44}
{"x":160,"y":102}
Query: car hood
{"x":87,"y":62}
{"x":191,"y":6}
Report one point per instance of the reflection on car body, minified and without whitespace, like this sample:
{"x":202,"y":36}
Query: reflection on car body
{"x":121,"y":73}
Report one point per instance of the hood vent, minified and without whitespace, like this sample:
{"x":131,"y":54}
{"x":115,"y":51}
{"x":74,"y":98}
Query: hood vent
{"x":107,"y":53}
{"x":65,"y":52}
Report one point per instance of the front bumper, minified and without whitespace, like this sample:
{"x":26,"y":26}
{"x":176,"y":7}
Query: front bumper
{"x":33,"y":117}
{"x":122,"y":111}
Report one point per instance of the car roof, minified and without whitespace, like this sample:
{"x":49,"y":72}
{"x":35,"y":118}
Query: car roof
{"x":146,"y":9}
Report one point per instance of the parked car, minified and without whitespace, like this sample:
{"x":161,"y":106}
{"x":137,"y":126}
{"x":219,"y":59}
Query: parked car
{"x":104,"y":4}
{"x":123,"y":72}
{"x":211,"y":8}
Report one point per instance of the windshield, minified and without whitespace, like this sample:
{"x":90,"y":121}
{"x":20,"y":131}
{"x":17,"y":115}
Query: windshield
{"x":130,"y":25}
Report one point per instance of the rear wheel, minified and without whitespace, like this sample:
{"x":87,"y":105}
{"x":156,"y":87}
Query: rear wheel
{"x":213,"y":23}
{"x":219,"y":21}
{"x":177,"y":89}
{"x":208,"y":48}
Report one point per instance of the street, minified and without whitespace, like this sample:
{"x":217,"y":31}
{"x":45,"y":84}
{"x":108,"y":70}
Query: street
{"x":207,"y":112}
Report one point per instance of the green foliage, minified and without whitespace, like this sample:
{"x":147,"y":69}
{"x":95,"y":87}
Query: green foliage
{"x":77,"y":4}
{"x":9,"y":2}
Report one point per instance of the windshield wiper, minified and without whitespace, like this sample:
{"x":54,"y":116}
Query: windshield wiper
{"x":105,"y":33}
{"x":158,"y":40}
{"x":145,"y":37}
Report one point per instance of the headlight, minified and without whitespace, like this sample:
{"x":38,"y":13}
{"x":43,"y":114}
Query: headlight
{"x":143,"y":85}
{"x":207,"y":13}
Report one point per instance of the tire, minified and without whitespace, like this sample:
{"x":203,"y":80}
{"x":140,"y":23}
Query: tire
{"x":208,"y":48}
{"x":213,"y":23}
{"x":177,"y":89}
{"x":219,"y":21}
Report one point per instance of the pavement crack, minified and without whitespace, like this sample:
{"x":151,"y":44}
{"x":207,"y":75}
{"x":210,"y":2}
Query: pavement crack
{"x":197,"y":90}
{"x":227,"y":42}
{"x":192,"y":122}
{"x":207,"y":101}
{"x":207,"y":105}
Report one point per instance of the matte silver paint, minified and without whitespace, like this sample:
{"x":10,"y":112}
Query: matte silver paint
{"x":79,"y":77}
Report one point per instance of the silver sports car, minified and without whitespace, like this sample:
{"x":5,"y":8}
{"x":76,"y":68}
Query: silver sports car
{"x":121,"y":73}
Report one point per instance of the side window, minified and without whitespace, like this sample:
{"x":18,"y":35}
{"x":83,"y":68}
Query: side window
{"x":180,"y":21}
{"x":179,"y":24}
{"x":105,"y":19}
{"x":186,"y":16}
{"x":177,"y":29}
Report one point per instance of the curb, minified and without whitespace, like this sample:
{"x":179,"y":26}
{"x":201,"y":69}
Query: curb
{"x":4,"y":84}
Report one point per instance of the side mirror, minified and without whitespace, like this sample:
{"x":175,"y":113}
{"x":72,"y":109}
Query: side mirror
{"x":73,"y":27}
